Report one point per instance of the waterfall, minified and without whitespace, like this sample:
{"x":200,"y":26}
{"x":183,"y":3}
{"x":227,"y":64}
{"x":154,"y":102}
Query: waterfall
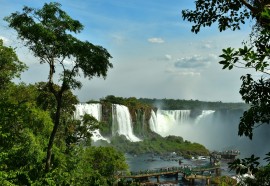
{"x":94,"y":109}
{"x":205,"y":113}
{"x":197,"y":129}
{"x":122,"y":123}
{"x":165,"y":120}
{"x":153,"y":122}
{"x":179,"y":116}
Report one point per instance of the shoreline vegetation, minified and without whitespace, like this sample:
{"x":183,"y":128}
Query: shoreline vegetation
{"x":157,"y":145}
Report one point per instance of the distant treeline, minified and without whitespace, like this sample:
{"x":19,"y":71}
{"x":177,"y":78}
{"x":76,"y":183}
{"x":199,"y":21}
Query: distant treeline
{"x":178,"y":104}
{"x":174,"y":104}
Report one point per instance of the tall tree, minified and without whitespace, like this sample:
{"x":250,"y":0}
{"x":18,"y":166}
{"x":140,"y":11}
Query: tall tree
{"x":49,"y":33}
{"x":255,"y":54}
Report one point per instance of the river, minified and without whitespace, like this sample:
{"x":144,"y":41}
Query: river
{"x":148,"y":162}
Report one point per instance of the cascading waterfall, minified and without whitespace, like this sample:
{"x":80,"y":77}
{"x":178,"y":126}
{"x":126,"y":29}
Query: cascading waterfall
{"x":197,"y":129}
{"x":180,"y":116}
{"x":153,"y":122}
{"x":122,"y":123}
{"x":216,"y":130}
{"x":94,"y":109}
{"x":205,"y":113}
{"x":165,"y":120}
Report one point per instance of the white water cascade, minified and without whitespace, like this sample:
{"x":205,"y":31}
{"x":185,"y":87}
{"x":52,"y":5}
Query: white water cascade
{"x":197,"y":129}
{"x":153,"y":122}
{"x":165,"y":120}
{"x":205,"y":113}
{"x":122,"y":124}
{"x":94,"y":109}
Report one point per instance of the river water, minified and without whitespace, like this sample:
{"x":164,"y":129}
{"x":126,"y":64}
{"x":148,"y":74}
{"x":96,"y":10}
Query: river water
{"x":147,"y":162}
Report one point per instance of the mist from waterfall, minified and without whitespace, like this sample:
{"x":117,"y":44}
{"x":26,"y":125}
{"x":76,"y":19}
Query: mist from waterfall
{"x":122,"y":123}
{"x":164,"y":120}
{"x":214,"y":129}
{"x":94,"y":109}
{"x":204,"y":115}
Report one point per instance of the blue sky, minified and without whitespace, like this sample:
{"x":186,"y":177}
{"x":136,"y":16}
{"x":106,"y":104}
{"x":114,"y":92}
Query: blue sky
{"x":155,"y":55}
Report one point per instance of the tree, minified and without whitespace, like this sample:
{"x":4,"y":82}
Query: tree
{"x":105,"y":161}
{"x":49,"y":33}
{"x":229,"y":14}
{"x":10,"y":65}
{"x":255,"y":54}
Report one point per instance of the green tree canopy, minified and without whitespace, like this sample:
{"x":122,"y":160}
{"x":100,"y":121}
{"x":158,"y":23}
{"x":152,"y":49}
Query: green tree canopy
{"x":49,"y":33}
{"x":10,"y":65}
{"x":229,"y":14}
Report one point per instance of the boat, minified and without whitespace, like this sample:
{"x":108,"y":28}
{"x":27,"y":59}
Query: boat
{"x":227,"y":155}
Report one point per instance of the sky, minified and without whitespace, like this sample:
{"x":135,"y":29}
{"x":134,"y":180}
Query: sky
{"x":155,"y":54}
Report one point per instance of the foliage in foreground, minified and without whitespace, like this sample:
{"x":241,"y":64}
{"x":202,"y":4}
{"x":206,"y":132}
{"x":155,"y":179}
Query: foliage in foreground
{"x":254,"y":54}
{"x":24,"y":131}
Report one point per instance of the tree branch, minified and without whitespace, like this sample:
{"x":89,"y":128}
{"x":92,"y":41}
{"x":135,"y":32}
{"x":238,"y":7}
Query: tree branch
{"x":249,"y":6}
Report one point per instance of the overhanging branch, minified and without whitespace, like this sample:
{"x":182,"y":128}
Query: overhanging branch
{"x":249,"y":6}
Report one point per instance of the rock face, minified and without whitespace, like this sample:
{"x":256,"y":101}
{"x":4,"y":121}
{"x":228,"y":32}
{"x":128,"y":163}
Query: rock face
{"x":139,"y":119}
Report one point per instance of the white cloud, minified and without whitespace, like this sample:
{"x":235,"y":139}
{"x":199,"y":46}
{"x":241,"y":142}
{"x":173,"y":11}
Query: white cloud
{"x":156,"y":40}
{"x":168,"y":57}
{"x":195,"y":61}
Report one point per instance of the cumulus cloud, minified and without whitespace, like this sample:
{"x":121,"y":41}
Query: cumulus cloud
{"x":156,"y":40}
{"x":195,"y":61}
{"x":168,"y":57}
{"x":191,"y":66}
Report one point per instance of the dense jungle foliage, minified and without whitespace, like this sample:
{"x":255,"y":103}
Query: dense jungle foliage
{"x":25,"y":126}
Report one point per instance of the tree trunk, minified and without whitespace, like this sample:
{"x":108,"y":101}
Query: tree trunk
{"x":52,"y":137}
